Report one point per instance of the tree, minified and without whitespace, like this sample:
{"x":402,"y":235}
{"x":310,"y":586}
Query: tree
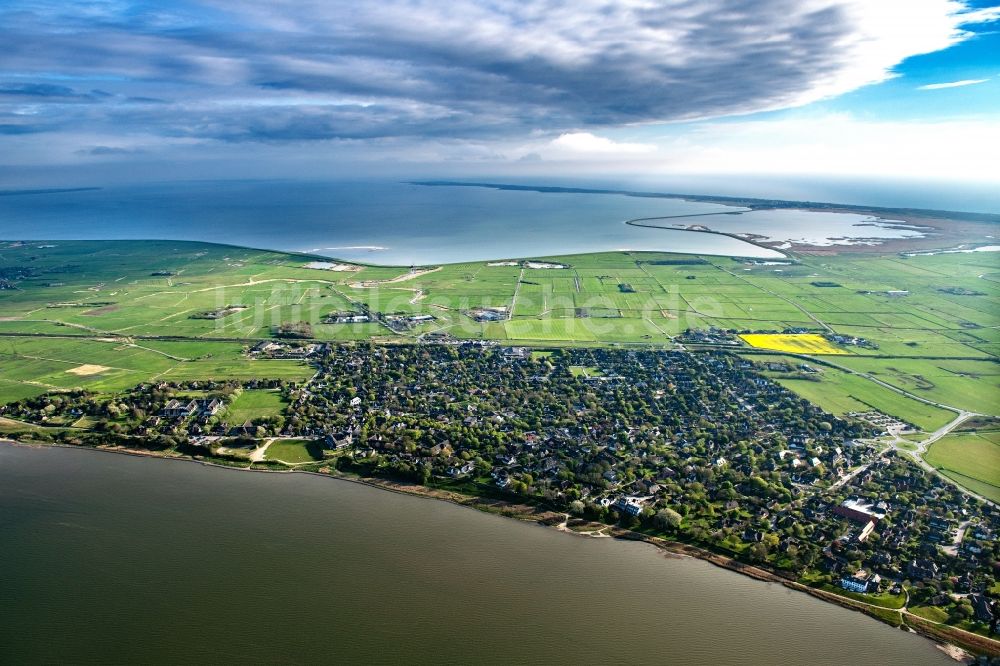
{"x":963,"y":611}
{"x":299,"y":329}
{"x":667,"y":519}
{"x":758,"y":551}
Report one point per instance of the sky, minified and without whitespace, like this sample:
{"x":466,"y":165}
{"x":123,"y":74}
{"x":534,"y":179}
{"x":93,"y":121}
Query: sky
{"x":107,"y":90}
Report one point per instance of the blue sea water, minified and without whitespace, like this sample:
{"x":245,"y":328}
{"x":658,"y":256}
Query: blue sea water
{"x":397,"y":223}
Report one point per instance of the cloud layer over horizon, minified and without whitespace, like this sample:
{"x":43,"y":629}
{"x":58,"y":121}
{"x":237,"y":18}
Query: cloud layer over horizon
{"x":119,"y":78}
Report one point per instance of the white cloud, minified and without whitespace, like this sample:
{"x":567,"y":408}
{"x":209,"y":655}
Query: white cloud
{"x":840,"y":144}
{"x":585,"y":142}
{"x":952,"y":84}
{"x":478,"y":69}
{"x":821,"y":146}
{"x":480,"y":84}
{"x":886,"y":32}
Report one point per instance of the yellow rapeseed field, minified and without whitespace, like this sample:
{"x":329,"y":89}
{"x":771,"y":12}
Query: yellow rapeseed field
{"x":799,"y":343}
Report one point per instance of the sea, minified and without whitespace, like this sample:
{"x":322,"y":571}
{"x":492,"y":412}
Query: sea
{"x":401,"y":223}
{"x":116,"y":559}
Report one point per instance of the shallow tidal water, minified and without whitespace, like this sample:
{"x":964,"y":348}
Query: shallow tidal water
{"x":115,"y":559}
{"x":404,"y":224}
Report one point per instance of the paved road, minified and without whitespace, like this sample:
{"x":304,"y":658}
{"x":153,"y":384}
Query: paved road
{"x":917,"y":456}
{"x":922,"y":446}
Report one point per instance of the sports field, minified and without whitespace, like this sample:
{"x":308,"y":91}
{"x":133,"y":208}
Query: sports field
{"x":796,"y":343}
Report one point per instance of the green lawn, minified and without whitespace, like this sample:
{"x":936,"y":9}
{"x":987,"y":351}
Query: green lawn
{"x":932,"y":613}
{"x":161,"y":288}
{"x":254,"y":404}
{"x":294,"y":451}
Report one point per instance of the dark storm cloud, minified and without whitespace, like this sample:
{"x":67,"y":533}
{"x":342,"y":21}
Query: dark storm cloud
{"x":283,"y":70}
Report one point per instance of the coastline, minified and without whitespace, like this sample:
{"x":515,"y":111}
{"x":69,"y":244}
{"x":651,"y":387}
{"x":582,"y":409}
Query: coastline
{"x":740,"y":202}
{"x":946,"y":228}
{"x":942,"y":235}
{"x":749,"y":238}
{"x":956,"y":643}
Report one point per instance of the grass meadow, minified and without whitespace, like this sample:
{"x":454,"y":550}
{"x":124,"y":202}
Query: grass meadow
{"x":971,"y":458}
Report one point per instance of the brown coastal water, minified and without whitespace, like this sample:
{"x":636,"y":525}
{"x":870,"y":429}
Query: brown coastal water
{"x":116,"y":559}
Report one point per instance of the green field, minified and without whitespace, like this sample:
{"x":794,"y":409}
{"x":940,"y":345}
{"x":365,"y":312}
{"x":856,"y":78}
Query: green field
{"x":972,"y":459}
{"x":547,"y":329}
{"x":969,"y":384}
{"x":294,"y":451}
{"x":31,"y":366}
{"x":253,"y":404}
{"x":145,"y":310}
{"x":10,"y":426}
{"x":158,"y":288}
{"x":841,"y":392}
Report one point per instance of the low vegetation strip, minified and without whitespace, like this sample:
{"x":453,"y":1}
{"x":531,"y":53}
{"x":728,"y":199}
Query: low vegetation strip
{"x":883,"y":600}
